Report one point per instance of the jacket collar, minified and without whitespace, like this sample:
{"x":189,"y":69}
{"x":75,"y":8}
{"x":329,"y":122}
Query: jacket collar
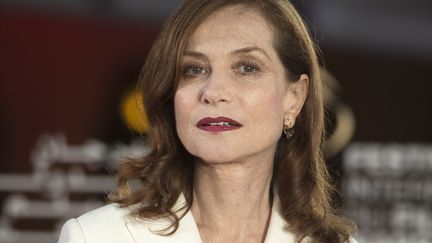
{"x":276,"y":231}
{"x":146,"y":230}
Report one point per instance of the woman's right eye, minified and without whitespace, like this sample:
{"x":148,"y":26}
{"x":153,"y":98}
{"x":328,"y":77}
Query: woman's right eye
{"x":194,"y":70}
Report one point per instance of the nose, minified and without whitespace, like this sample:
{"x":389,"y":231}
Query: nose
{"x":216,"y":90}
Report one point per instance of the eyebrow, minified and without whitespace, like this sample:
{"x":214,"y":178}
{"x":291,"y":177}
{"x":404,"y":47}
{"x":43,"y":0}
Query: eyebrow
{"x":194,"y":54}
{"x":238,"y":51}
{"x":251,"y":49}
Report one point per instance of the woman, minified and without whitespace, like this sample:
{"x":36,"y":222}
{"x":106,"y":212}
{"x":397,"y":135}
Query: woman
{"x":233,"y":99}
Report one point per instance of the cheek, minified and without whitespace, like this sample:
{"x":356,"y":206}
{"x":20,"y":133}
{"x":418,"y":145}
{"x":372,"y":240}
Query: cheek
{"x":182,"y":108}
{"x":269,"y":115}
{"x":267,"y":109}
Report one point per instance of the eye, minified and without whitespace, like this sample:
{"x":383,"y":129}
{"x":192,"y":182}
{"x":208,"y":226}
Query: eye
{"x":194,"y":70}
{"x":247,"y":68}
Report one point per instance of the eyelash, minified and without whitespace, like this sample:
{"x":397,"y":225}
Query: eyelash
{"x":187,"y":70}
{"x":256,"y":67}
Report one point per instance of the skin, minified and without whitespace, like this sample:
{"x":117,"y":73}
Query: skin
{"x":231,"y":69}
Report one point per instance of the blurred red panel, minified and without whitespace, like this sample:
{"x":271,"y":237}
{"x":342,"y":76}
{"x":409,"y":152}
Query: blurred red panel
{"x":59,"y":74}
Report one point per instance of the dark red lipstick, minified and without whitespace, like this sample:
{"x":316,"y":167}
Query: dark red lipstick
{"x":218,"y":124}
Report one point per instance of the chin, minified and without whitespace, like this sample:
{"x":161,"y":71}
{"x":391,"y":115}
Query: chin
{"x":212,"y":150}
{"x":215,"y":157}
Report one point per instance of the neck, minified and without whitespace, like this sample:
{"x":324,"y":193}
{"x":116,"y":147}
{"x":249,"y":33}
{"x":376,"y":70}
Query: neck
{"x":232,"y":198}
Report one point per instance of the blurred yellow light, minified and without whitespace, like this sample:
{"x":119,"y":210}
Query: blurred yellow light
{"x":132,"y":112}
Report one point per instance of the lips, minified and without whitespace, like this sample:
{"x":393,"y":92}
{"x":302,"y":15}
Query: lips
{"x":218,"y":124}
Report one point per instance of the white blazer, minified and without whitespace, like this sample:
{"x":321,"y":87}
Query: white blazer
{"x":112,"y":224}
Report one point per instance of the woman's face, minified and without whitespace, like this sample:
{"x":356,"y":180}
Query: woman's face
{"x":234,"y":94}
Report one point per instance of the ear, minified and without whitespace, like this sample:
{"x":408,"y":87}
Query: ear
{"x":296,"y":97}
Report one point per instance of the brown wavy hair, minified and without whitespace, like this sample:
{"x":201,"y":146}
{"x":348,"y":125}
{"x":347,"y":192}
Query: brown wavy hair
{"x":300,"y":175}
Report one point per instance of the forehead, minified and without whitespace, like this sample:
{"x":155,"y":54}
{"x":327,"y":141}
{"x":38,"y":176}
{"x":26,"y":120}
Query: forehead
{"x":232,"y":27}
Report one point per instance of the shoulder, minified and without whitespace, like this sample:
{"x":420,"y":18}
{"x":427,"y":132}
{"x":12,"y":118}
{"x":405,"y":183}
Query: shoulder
{"x":105,"y":224}
{"x":352,"y":240}
{"x":109,"y":214}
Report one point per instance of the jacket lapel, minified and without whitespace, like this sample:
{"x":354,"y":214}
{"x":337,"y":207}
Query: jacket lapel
{"x":276,"y":231}
{"x":144,"y":231}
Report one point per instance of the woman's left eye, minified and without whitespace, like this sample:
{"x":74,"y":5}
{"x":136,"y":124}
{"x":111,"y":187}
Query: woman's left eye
{"x":248,"y":68}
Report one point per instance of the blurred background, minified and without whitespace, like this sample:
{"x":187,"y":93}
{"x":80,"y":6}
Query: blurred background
{"x":68,"y":71}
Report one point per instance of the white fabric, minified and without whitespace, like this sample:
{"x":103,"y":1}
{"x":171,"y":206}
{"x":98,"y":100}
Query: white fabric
{"x":112,"y":224}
